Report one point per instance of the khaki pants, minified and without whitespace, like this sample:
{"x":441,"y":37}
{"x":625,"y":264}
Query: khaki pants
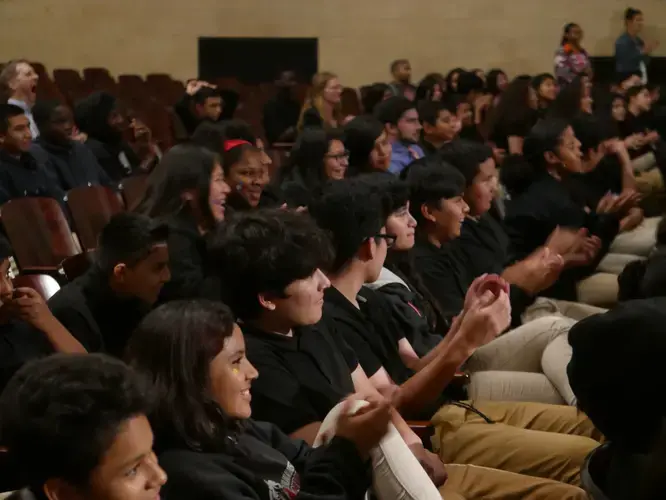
{"x":528,"y":363}
{"x":544,"y":306}
{"x":639,"y":241}
{"x":599,"y":290}
{"x":471,"y":482}
{"x":650,"y":183}
{"x":534,"y":439}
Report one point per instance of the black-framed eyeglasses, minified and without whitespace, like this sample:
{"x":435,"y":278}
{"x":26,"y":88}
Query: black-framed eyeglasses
{"x":340,"y":156}
{"x":390,"y":239}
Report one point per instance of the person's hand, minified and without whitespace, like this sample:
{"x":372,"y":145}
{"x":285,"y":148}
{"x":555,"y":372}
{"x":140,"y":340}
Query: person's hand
{"x":483,"y":101}
{"x":347,"y":119}
{"x":430,"y":463}
{"x":632,"y":220}
{"x":499,"y":154}
{"x":79,"y":136}
{"x":29,"y":306}
{"x":193,"y":86}
{"x":367,"y":426}
{"x":485,"y":320}
{"x":564,"y":240}
{"x":651,"y":137}
{"x":142,"y":133}
{"x":634,"y":141}
{"x":537,"y":272}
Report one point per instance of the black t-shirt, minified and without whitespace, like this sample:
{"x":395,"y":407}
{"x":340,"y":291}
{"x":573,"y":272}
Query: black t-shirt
{"x":510,"y":128}
{"x":636,"y":124}
{"x":301,"y":378}
{"x":370,"y":331}
{"x":19,"y":343}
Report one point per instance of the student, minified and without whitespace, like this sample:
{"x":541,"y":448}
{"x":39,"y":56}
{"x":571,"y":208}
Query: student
{"x":471,"y":90}
{"x":572,"y":101}
{"x":27,"y":328}
{"x":74,"y":163}
{"x":401,"y":121}
{"x":18,"y":81}
{"x":317,"y":157}
{"x":201,"y":103}
{"x":190,"y":196}
{"x":322,"y":106}
{"x":280,"y":114}
{"x":194,"y":357}
{"x":440,"y":124}
{"x":452,"y":80}
{"x":99,"y":116}
{"x":402,"y":86}
{"x":431,"y":88}
{"x":368,"y":144}
{"x":632,"y":54}
{"x":373,"y":95}
{"x":546,"y":90}
{"x":102,"y":307}
{"x":496,"y":83}
{"x":244,"y":173}
{"x":75,"y":427}
{"x":513,"y":117}
{"x":353,"y":215}
{"x":632,"y":463}
{"x":571,"y":59}
{"x":21,"y":173}
{"x":635,"y":127}
{"x":542,"y":203}
{"x":306,"y":368}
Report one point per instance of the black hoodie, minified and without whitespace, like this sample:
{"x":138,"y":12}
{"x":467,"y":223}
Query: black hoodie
{"x":115,"y":156}
{"x":265,"y":464}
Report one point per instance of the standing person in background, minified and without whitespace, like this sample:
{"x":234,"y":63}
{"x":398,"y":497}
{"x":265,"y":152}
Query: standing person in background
{"x":402,"y":76}
{"x":281,"y":112}
{"x":322,"y":107}
{"x":571,"y":59}
{"x":632,"y":54}
{"x":18,"y":84}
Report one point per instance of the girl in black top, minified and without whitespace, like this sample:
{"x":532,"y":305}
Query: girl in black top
{"x":546,"y":89}
{"x":511,"y":120}
{"x":540,"y":202}
{"x":452,"y":80}
{"x":193,"y":355}
{"x":573,"y":100}
{"x":189,"y":193}
{"x":317,"y":157}
{"x":431,"y":88}
{"x":496,"y":83}
{"x":368,"y":145}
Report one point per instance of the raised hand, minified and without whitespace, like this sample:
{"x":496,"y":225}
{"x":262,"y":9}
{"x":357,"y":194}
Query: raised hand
{"x":367,"y":426}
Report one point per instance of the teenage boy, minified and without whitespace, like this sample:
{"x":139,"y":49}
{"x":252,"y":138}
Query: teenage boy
{"x":401,"y":121}
{"x":102,"y":307}
{"x":363,"y":317}
{"x":18,"y":79}
{"x":306,"y":368}
{"x":201,"y":102}
{"x":401,"y":71}
{"x":74,"y":163}
{"x":21,"y":174}
{"x":440,"y":124}
{"x":75,"y":427}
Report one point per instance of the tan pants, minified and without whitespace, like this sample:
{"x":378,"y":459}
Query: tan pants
{"x":528,"y":363}
{"x":650,"y":183}
{"x":599,"y":290}
{"x":471,"y":482}
{"x":534,"y":439}
{"x":639,"y":241}
{"x":544,"y":306}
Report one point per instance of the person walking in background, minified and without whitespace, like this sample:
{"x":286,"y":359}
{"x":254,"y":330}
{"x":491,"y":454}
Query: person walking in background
{"x":632,"y":54}
{"x":571,"y":59}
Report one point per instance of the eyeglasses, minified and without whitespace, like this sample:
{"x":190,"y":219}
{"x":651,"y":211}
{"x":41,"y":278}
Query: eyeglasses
{"x":390,"y":239}
{"x":340,"y":156}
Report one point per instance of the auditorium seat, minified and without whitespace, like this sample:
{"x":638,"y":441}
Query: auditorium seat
{"x":76,"y":265}
{"x":91,"y":208}
{"x":133,"y":188}
{"x":43,"y":284}
{"x":38,"y":233}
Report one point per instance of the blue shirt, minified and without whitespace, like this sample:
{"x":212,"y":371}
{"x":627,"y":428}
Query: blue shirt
{"x":402,"y":154}
{"x":628,"y":54}
{"x":28,"y":112}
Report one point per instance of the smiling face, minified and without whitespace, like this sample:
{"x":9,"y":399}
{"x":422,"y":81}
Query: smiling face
{"x":446,"y":217}
{"x":380,"y":156}
{"x":548,"y":90}
{"x":59,"y":127}
{"x":332,"y":91}
{"x":336,"y":161}
{"x":218,"y":191}
{"x":231,"y":376}
{"x":18,"y":137}
{"x":569,"y":153}
{"x":249,"y":176}
{"x":129,"y":469}
{"x":402,"y":225}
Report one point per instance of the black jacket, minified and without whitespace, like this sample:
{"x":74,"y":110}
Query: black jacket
{"x":265,"y":464}
{"x":95,"y":315}
{"x":27,"y":176}
{"x":280,"y":113}
{"x":190,"y":274}
{"x":75,"y":165}
{"x":534,"y":214}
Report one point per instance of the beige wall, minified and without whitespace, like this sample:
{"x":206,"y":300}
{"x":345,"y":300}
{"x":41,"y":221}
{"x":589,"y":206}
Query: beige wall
{"x":358,"y":38}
